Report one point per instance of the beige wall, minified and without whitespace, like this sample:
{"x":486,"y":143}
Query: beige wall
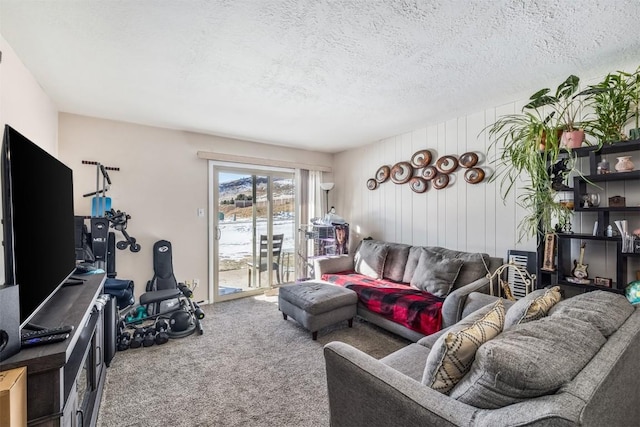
{"x":161,"y":184}
{"x":23,"y":103}
{"x":25,"y":107}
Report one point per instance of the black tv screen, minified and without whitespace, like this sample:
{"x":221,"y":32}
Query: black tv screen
{"x":38,"y":221}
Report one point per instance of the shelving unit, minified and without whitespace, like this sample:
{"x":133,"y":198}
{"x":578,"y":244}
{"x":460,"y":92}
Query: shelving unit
{"x":65,"y":379}
{"x":603,"y":215}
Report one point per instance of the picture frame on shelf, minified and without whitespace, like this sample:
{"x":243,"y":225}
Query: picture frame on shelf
{"x":549,"y":252}
{"x":602,"y":281}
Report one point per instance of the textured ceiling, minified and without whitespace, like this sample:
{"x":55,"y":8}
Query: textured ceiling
{"x":316,"y":74}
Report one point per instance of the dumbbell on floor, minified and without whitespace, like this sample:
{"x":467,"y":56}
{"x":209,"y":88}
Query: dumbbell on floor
{"x":161,"y":332}
{"x":138,"y":338}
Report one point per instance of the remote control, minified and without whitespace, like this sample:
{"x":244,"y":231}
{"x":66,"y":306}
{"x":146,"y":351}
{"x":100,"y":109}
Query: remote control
{"x":46,"y":332}
{"x":49,"y":339}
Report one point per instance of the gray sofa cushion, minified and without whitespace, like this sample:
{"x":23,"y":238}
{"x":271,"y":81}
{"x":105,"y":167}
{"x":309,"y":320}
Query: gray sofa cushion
{"x":533,"y":306}
{"x":606,"y":310}
{"x":529,"y":360}
{"x":370,"y":258}
{"x":412,"y":263}
{"x":452,"y":354}
{"x":476,"y":265}
{"x":436,"y":274}
{"x":396,"y":261}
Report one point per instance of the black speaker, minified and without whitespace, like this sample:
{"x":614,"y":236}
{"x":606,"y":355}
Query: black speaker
{"x":99,"y":238}
{"x":111,"y":255}
{"x":9,"y":321}
{"x":110,"y":329}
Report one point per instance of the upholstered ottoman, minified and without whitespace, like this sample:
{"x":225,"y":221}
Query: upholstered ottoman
{"x":317,"y":305}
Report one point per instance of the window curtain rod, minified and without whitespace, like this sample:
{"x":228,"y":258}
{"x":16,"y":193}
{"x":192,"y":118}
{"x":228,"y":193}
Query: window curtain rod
{"x":207,"y":155}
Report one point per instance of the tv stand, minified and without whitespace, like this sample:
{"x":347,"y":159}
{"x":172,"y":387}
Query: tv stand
{"x":65,"y":379}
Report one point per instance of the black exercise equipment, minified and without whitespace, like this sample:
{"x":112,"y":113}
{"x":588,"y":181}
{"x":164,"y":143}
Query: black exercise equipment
{"x":149,"y":336}
{"x":124,"y":341}
{"x":119,"y":220}
{"x":138,"y":338}
{"x":162,"y":336}
{"x":166,"y":298}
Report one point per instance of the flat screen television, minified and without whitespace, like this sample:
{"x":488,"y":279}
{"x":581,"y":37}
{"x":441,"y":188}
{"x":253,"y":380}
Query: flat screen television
{"x":38,"y":222}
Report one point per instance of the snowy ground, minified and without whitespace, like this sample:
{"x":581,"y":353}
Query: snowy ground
{"x":235,"y":237}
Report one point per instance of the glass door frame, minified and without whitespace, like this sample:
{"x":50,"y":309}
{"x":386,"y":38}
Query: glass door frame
{"x":214,"y":168}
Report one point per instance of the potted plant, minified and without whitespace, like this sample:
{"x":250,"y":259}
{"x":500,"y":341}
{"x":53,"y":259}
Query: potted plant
{"x":635,"y":103}
{"x":565,"y":105}
{"x":612,"y":100}
{"x":527,"y":144}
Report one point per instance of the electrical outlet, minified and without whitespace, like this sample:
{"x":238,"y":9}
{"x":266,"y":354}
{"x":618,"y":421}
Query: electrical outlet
{"x":196,"y":282}
{"x":201,"y":212}
{"x":188,"y":283}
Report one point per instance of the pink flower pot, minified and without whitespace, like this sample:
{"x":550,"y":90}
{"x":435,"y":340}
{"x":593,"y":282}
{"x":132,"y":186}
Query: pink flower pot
{"x":572,"y":139}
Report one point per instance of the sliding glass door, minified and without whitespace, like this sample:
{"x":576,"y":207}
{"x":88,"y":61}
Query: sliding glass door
{"x":253,"y":230}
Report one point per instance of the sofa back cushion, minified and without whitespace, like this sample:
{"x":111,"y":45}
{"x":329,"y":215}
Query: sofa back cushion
{"x":370,"y":258}
{"x":529,"y":360}
{"x":435,"y":273}
{"x":476,"y":265}
{"x":412,"y":263}
{"x":605,"y":310}
{"x":533,"y":306}
{"x":453,"y":352}
{"x":396,"y":261}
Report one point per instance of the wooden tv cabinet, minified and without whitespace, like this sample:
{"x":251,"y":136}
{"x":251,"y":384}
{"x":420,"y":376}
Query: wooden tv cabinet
{"x":65,"y":379}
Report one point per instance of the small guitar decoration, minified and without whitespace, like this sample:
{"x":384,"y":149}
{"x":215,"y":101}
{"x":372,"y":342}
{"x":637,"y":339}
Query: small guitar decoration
{"x":580,"y":269}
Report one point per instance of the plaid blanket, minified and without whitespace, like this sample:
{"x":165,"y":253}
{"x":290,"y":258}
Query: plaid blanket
{"x":417,"y":310}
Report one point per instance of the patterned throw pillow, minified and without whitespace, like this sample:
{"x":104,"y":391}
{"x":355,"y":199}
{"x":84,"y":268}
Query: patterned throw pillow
{"x":453,"y":353}
{"x":534,"y":306}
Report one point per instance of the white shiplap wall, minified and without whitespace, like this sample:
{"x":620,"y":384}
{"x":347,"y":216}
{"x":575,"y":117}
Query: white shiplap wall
{"x":461,"y":216}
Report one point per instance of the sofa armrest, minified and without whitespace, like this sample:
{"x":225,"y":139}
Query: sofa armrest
{"x":364,"y":392}
{"x":332,"y":264}
{"x":454,"y":303}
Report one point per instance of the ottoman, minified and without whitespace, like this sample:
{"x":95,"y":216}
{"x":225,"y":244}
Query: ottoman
{"x":317,"y":305}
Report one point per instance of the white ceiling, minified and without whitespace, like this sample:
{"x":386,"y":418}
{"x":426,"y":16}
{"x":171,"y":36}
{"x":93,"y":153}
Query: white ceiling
{"x":325,"y":75}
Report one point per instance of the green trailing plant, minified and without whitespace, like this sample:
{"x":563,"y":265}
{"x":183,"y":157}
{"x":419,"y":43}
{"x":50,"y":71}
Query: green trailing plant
{"x":526,"y":144}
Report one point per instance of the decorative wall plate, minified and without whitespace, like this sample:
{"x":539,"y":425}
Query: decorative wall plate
{"x":468,"y":160}
{"x":372,"y":184}
{"x":429,"y":172}
{"x":447,"y":164}
{"x":383,"y":174}
{"x":421,"y":158}
{"x":474,"y":175}
{"x":401,"y":172}
{"x":441,"y":181}
{"x":418,"y":184}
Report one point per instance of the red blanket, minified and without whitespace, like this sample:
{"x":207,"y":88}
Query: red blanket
{"x":400,"y":303}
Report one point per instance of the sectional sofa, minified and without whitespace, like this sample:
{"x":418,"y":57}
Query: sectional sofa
{"x":412,"y":291}
{"x":573,"y":364}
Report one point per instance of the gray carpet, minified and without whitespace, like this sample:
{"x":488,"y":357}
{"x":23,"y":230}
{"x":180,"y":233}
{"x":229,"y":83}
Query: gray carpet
{"x":249,"y":368}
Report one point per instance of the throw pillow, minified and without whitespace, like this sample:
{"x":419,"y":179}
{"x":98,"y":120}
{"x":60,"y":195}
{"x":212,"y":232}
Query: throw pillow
{"x":435,"y":274}
{"x":396,"y":261}
{"x":453,"y":353}
{"x":530,"y":360}
{"x":370,"y":258}
{"x":605,"y":310}
{"x":476,"y":266}
{"x":534,"y":306}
